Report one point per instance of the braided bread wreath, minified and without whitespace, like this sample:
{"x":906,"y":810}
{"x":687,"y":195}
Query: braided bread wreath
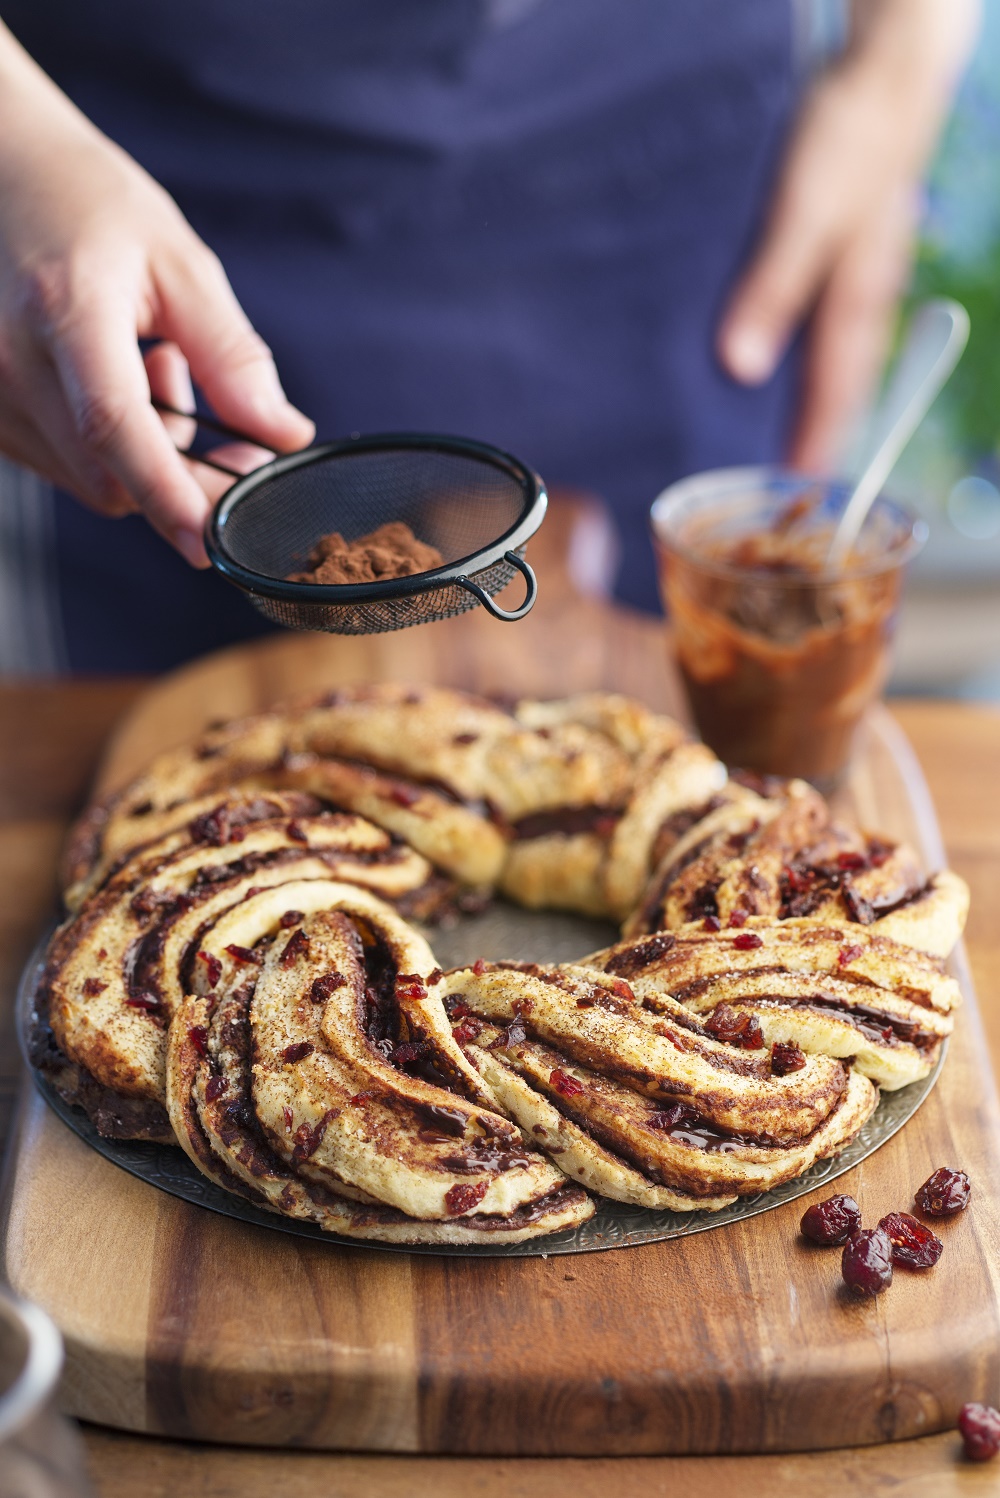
{"x":239,"y":973}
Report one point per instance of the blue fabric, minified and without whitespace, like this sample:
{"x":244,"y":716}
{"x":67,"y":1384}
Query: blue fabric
{"x":514,"y":220}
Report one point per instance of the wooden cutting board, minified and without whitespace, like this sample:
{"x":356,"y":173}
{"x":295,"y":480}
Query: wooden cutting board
{"x":181,"y":1322}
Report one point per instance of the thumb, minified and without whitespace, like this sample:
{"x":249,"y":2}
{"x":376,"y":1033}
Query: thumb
{"x":776,"y":291}
{"x":823,"y":188}
{"x":228,"y":359}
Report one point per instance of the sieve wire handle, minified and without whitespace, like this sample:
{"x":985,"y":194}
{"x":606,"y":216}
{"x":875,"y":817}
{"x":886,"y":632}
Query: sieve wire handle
{"x":510,"y":615}
{"x":210,"y":423}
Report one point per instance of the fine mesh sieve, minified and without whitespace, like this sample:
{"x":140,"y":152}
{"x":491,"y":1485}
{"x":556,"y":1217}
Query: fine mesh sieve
{"x":476,"y":504}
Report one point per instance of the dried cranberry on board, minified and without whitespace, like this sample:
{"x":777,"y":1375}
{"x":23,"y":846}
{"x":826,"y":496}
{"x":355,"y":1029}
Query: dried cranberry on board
{"x":980,"y":1428}
{"x":831,"y":1222}
{"x":711,"y":923}
{"x":747,"y":941}
{"x":913,"y":1244}
{"x":198,"y":1036}
{"x":866,"y":1263}
{"x":944,"y":1193}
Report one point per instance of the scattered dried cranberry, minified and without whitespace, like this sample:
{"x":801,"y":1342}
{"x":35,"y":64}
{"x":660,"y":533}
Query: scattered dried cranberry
{"x":287,"y":1115}
{"x":409,"y":1050}
{"x":946,"y":1192}
{"x":405,"y":795}
{"x":467,"y":1031}
{"x":564,"y":1083}
{"x":737,"y":918}
{"x":786,"y":1057}
{"x":211,"y":827}
{"x":980,"y":1427}
{"x":866,"y":1263}
{"x":747,"y":941}
{"x":214,"y":1088}
{"x":297,"y":832}
{"x":434,"y":976}
{"x":291,"y":918}
{"x":324,"y":986}
{"x":622,"y":990}
{"x":463,"y":1198}
{"x":92,"y":987}
{"x":913,"y":1244}
{"x":297,"y":1052}
{"x":297,"y":946}
{"x":198,"y":1036}
{"x":851,"y":861}
{"x":832,"y":1221}
{"x":212,"y":966}
{"x":479,"y":966}
{"x":410,"y":986}
{"x":847,"y":955}
{"x":147,"y":1001}
{"x":307,"y":1141}
{"x":244,"y":954}
{"x":735,"y":1027}
{"x":361,"y":1097}
{"x":711,"y":923}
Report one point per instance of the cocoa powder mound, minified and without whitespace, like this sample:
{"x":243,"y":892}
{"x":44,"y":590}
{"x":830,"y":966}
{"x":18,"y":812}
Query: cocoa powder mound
{"x":390,"y":551}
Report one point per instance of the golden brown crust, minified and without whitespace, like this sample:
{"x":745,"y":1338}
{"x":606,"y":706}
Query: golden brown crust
{"x":778,"y":966}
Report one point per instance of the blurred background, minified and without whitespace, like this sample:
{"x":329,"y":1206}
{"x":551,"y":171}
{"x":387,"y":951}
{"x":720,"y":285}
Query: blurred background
{"x":949,"y":638}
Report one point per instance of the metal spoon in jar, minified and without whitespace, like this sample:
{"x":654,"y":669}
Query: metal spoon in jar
{"x":935,"y":340}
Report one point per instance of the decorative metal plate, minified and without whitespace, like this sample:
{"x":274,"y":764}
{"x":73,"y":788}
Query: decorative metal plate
{"x":501,"y":931}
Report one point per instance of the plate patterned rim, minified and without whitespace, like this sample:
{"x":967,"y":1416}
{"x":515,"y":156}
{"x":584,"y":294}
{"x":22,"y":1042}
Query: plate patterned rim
{"x":614,"y":1224}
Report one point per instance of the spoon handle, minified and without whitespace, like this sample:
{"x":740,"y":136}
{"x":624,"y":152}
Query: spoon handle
{"x":935,"y":339}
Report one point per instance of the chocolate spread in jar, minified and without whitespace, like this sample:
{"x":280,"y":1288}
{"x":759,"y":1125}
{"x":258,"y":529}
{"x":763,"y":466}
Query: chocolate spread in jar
{"x":779,"y":660}
{"x":390,"y":551}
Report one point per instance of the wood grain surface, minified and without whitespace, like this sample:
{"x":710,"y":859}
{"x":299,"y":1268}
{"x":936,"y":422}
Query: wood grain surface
{"x":960,"y":747}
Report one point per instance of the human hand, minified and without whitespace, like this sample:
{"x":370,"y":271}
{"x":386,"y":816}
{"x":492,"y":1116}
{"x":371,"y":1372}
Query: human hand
{"x":94,"y":255}
{"x":837,"y":242}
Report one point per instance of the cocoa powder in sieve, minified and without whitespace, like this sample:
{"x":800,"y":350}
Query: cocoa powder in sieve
{"x":390,"y":551}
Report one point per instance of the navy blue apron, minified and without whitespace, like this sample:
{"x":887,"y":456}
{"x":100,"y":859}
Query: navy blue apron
{"x":512,"y":219}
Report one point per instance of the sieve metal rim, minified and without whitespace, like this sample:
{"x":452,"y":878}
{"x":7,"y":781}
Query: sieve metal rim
{"x":536,"y":502}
